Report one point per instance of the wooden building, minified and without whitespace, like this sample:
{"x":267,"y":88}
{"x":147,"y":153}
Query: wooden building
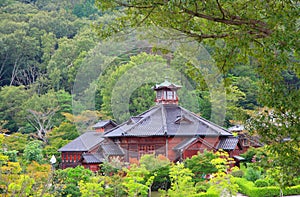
{"x":245,"y":139}
{"x":166,"y":129}
{"x":84,"y":150}
{"x":170,"y":130}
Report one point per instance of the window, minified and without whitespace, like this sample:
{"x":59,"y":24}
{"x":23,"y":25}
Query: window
{"x":169,"y":95}
{"x":159,"y":94}
{"x":146,"y":149}
{"x":64,"y":157}
{"x":75,"y":157}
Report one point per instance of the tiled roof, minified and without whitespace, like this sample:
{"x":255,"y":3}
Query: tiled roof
{"x":110,"y":148}
{"x":103,"y":123}
{"x":166,"y":84}
{"x":84,"y":142}
{"x":93,"y":158}
{"x":135,"y":119}
{"x":228,"y":143}
{"x":164,"y":120}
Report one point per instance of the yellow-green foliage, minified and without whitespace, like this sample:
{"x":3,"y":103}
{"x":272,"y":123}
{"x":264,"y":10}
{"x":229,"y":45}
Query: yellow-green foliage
{"x":21,"y":187}
{"x":3,"y":158}
{"x":222,"y":181}
{"x":94,"y":187}
{"x":181,"y":181}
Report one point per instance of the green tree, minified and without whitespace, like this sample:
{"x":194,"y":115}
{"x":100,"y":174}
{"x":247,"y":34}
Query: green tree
{"x":65,"y":182}
{"x":11,"y":105}
{"x":135,"y":182}
{"x":94,"y":187}
{"x":137,"y":77}
{"x":65,"y":61}
{"x":30,"y":36}
{"x":16,"y":141}
{"x":19,"y":53}
{"x":181,"y":181}
{"x":222,"y":181}
{"x":44,"y":111}
{"x":58,"y":137}
{"x":152,"y":162}
{"x":201,"y":165}
{"x":33,"y":151}
{"x":85,"y":9}
{"x":159,"y":167}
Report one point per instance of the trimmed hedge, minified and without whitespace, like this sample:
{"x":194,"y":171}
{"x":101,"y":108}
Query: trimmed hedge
{"x":248,"y":188}
{"x":207,"y":195}
{"x":292,"y":190}
{"x":261,"y":183}
{"x":210,"y":193}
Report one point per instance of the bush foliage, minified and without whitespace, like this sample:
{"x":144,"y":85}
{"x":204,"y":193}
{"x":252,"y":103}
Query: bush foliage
{"x":261,"y":183}
{"x":248,"y":188}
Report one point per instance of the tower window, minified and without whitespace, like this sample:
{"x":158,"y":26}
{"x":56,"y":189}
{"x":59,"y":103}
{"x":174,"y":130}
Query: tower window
{"x":169,"y":95}
{"x":159,"y":94}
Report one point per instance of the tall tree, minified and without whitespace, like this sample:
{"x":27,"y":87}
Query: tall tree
{"x":40,"y":111}
{"x":11,"y":105}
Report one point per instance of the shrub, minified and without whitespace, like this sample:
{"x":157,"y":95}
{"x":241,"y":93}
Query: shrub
{"x":292,"y":190}
{"x":237,"y":173}
{"x":207,"y":195}
{"x":265,"y":191}
{"x":210,"y":193}
{"x":244,"y":185}
{"x":261,"y":183}
{"x":162,"y":178}
{"x":271,"y":182}
{"x":248,"y":188}
{"x":252,"y":174}
{"x":202,"y":186}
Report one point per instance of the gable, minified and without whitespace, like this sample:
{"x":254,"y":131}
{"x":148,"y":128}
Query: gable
{"x":194,"y":142}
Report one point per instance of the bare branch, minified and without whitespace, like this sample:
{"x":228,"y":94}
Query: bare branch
{"x":42,"y":121}
{"x":133,"y":6}
{"x":234,"y":20}
{"x":145,"y":18}
{"x":202,"y":36}
{"x":221,"y":9}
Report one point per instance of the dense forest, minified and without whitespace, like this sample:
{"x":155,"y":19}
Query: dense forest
{"x":64,"y":65}
{"x":45,"y":44}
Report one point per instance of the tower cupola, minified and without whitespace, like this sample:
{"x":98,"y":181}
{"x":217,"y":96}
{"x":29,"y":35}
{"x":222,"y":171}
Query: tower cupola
{"x":166,"y":93}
